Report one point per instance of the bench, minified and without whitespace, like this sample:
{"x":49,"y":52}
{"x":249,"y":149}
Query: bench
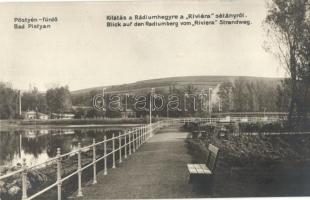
{"x":204,"y":172}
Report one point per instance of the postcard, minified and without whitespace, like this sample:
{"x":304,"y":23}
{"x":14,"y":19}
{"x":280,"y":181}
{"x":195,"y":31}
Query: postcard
{"x":154,"y":99}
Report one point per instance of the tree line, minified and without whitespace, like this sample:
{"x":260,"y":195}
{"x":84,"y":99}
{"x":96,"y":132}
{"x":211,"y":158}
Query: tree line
{"x":239,"y":95}
{"x":55,"y":100}
{"x":243,"y":95}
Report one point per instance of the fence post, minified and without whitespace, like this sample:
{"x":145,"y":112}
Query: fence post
{"x":133,"y":140}
{"x":79,"y":172}
{"x":105,"y":155}
{"x":143,"y":136}
{"x":138,"y":138}
{"x":94,"y":162}
{"x":145,"y":132}
{"x":24,"y":179}
{"x":125,"y":134}
{"x":129,"y":136}
{"x":58,"y":174}
{"x":142,"y":128}
{"x":120,"y":147}
{"x":113,"y":150}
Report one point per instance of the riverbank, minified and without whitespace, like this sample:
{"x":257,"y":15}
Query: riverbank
{"x":6,"y":125}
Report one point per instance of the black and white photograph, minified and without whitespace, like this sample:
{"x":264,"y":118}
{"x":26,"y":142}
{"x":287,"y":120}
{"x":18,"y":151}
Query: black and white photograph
{"x":146,"y":99}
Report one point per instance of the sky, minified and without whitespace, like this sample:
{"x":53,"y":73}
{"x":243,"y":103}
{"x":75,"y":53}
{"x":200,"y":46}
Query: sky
{"x":81,"y":52}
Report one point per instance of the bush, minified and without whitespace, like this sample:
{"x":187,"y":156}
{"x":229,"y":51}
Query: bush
{"x":263,"y":127}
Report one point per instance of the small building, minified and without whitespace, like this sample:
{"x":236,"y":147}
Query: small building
{"x":226,"y":119}
{"x":63,"y":116}
{"x":29,"y":115}
{"x":42,"y":116}
{"x":34,"y":115}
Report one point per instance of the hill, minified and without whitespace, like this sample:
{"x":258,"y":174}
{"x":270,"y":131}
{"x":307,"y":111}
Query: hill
{"x":163,"y":84}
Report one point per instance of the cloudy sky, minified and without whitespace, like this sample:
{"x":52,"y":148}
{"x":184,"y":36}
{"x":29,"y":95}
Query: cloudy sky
{"x":81,"y":52}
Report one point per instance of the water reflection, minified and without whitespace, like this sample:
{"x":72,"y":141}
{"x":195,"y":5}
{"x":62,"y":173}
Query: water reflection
{"x":38,"y":146}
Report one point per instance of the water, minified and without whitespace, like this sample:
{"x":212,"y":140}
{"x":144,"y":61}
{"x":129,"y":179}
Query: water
{"x":38,"y":145}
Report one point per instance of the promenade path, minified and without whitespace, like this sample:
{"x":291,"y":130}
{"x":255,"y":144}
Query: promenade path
{"x":157,"y":170}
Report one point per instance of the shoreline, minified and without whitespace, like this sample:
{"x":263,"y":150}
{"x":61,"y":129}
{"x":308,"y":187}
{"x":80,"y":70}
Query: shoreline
{"x":6,"y":125}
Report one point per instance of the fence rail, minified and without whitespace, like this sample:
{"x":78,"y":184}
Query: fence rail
{"x":232,"y":119}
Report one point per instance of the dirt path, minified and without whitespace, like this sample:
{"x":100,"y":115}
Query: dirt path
{"x":156,"y":170}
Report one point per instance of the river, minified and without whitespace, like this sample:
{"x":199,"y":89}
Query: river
{"x":40,"y":144}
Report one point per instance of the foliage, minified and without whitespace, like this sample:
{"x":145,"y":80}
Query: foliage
{"x":289,"y":33}
{"x":263,"y":127}
{"x":85,"y":99}
{"x":34,"y":100}
{"x":225,"y":94}
{"x":244,"y":95}
{"x":59,"y":100}
{"x":8,"y":101}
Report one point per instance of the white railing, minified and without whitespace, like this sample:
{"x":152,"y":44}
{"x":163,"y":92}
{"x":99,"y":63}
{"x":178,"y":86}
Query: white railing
{"x":231,"y":119}
{"x":128,"y":143}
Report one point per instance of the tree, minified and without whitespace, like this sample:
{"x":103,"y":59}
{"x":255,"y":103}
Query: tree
{"x":59,"y":100}
{"x":34,"y":100}
{"x":283,"y":96}
{"x":245,"y":95}
{"x":224,"y":93}
{"x":191,"y":100}
{"x":240,"y":95}
{"x":8,"y":101}
{"x":289,"y":34}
